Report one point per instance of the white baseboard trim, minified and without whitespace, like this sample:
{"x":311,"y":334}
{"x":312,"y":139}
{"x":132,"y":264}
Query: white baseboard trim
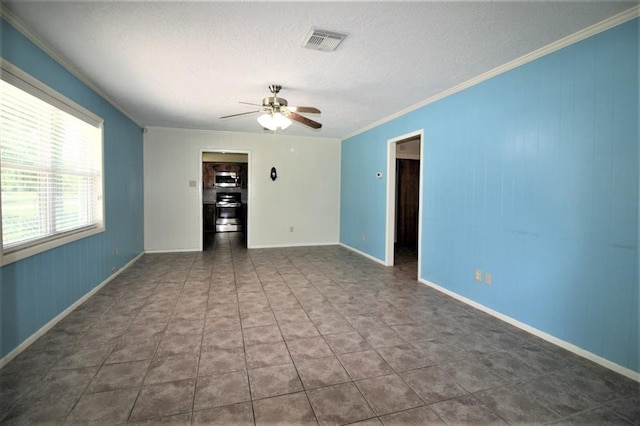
{"x":171,"y":251}
{"x":263,"y":246}
{"x":539,"y":333}
{"x":48,"y":326}
{"x":361,"y":253}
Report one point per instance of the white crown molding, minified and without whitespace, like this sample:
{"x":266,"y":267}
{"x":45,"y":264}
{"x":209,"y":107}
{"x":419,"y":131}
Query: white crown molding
{"x":608,"y":23}
{"x":17,"y":23}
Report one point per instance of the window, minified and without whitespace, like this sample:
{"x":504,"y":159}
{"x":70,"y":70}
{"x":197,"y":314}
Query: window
{"x":50,"y":167}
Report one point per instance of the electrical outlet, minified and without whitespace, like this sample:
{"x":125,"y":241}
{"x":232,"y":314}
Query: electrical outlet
{"x":488,"y":278}
{"x":291,"y":229}
{"x":364,"y":237}
{"x":479,"y":275}
{"x":115,"y":251}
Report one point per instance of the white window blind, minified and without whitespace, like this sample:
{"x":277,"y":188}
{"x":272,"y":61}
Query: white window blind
{"x":50,"y":164}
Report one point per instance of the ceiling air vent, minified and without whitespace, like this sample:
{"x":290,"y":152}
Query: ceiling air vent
{"x":325,"y":41}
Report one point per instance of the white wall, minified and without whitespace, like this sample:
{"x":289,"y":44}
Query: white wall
{"x":306,"y":194}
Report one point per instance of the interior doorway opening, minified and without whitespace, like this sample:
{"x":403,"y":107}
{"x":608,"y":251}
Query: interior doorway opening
{"x":224,"y":193}
{"x":404,"y":203}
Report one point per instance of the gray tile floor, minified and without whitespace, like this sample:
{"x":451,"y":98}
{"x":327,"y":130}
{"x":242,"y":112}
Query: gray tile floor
{"x":297,"y":336}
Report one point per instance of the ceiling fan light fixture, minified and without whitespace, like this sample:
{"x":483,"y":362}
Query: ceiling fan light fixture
{"x":274,"y":121}
{"x":283,"y":122}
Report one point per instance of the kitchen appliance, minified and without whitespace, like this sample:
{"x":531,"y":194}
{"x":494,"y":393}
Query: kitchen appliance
{"x":227,"y":180}
{"x":228,"y":212}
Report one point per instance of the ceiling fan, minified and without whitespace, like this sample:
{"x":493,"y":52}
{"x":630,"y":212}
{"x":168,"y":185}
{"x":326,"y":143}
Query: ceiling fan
{"x":277,"y":113}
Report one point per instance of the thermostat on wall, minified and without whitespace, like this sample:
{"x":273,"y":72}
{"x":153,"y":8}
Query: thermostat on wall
{"x":379,"y":175}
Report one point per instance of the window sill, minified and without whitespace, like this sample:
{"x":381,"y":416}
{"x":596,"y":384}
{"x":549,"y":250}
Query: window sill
{"x":15,"y":256}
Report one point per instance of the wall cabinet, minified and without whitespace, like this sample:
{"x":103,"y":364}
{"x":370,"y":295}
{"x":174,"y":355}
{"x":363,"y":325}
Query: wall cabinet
{"x":244,"y":175}
{"x":209,"y":173}
{"x":226,"y":167}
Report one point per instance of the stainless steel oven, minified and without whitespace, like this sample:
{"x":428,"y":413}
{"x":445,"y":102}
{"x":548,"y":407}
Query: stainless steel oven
{"x":227,"y":180}
{"x":228,"y":212}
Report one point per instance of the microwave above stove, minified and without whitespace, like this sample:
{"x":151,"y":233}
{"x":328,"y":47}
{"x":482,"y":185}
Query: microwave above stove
{"x":227,"y":180}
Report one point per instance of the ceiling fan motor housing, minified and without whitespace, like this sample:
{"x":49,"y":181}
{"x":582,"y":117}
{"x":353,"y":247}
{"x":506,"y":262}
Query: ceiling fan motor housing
{"x":271,"y":101}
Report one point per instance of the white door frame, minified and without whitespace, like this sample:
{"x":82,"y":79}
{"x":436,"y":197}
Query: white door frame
{"x":391,"y":197}
{"x":249,"y":207}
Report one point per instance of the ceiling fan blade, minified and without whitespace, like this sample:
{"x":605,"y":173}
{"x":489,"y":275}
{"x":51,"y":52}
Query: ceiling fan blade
{"x":308,"y":110}
{"x":242,"y":113}
{"x":249,"y":103}
{"x":304,"y":120}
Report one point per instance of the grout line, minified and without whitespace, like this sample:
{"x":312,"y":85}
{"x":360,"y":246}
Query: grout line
{"x":249,"y":262}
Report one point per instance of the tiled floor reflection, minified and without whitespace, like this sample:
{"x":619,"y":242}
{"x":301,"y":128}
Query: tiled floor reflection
{"x":297,"y":336}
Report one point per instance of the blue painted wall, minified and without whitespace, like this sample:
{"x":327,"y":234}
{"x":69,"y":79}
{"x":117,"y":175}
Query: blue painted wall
{"x":35,"y":290}
{"x":532,"y":176}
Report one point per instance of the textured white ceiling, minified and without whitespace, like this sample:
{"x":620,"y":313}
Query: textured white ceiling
{"x":185,"y":64}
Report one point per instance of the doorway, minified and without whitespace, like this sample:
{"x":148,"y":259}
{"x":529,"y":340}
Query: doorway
{"x":407,"y":184}
{"x":224,"y":195}
{"x":404,"y":202}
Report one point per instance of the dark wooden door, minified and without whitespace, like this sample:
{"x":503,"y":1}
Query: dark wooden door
{"x":408,"y":182}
